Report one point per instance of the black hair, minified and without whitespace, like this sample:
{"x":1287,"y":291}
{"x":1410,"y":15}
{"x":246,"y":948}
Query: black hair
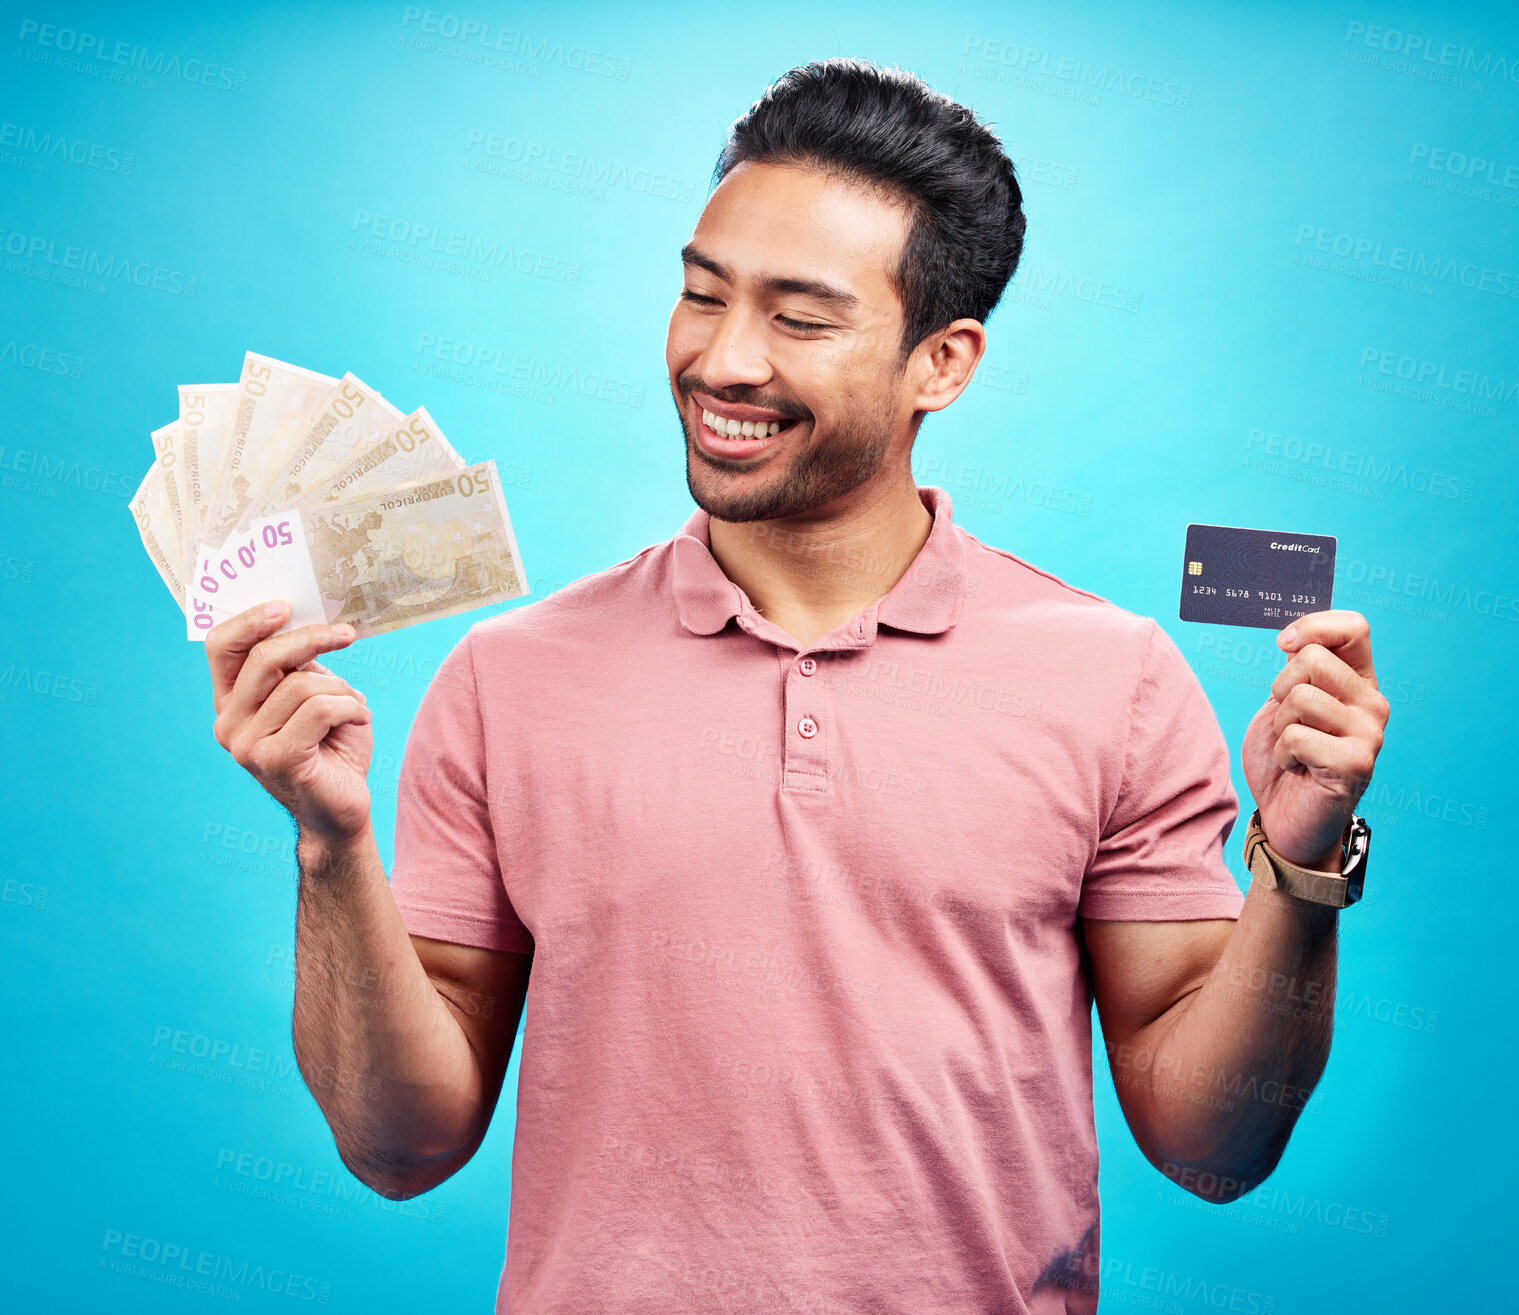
{"x":888,"y":129}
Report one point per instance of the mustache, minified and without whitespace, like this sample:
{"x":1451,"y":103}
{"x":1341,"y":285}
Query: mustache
{"x":744,"y":395}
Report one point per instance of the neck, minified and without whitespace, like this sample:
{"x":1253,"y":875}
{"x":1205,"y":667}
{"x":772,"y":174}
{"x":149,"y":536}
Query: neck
{"x":811,"y":573}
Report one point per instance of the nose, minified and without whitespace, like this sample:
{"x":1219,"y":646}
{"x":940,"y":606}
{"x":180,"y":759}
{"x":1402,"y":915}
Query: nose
{"x":735,"y":354}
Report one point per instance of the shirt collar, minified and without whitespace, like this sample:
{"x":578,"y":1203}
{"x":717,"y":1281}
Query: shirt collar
{"x":926,"y":600}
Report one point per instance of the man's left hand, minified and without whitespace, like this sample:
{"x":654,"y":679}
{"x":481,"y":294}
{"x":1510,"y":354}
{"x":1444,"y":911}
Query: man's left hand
{"x":1309,"y":752}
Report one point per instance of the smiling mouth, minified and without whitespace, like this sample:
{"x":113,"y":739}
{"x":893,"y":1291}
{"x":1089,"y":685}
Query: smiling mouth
{"x":724,"y":428}
{"x":733,"y":423}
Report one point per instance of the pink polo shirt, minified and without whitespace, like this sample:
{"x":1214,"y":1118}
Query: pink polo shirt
{"x":808,"y":1027}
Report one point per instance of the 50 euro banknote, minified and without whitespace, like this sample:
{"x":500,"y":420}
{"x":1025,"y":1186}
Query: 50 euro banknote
{"x":379,"y":560}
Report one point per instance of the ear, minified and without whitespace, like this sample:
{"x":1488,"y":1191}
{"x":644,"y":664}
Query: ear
{"x":945,"y":362}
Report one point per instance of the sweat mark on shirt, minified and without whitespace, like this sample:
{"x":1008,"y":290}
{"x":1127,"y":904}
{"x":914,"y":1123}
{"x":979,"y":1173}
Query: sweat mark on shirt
{"x":1075,"y":1269}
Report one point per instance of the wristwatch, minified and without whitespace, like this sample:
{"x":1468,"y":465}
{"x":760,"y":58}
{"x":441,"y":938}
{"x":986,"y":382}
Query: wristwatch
{"x":1337,"y":889}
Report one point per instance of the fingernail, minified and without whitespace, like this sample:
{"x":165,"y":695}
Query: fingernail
{"x":344,"y":631}
{"x":273,"y":610}
{"x":1287,"y":636}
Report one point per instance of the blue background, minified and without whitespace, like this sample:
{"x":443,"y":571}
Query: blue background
{"x":1182,"y":344}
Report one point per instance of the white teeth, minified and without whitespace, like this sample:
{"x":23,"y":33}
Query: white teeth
{"x":739,"y":428}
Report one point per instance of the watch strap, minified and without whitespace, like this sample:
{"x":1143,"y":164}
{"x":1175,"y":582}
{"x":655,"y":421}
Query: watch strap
{"x":1338,"y":890}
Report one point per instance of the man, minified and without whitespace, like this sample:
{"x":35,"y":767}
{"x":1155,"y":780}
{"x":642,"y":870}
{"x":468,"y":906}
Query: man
{"x":809,"y":836}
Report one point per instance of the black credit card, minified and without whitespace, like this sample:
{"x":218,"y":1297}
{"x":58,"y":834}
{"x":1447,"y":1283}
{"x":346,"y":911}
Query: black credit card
{"x":1265,"y":578}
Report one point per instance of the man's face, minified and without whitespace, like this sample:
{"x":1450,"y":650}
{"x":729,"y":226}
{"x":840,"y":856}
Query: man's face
{"x":789,"y":319}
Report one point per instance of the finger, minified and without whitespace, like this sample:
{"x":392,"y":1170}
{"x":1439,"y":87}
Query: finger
{"x":1347,"y":634}
{"x":316,"y":666}
{"x":309,"y":724}
{"x":271,"y":660}
{"x":1345,"y":759}
{"x":1307,"y":705}
{"x":228,"y":643}
{"x":288,"y":695}
{"x":1316,"y":665}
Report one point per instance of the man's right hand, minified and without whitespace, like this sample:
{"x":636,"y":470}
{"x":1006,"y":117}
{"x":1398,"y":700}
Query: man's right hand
{"x":301,"y":732}
{"x":406,"y":1076}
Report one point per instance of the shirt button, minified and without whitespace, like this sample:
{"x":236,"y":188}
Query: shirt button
{"x":807,"y":666}
{"x":807,"y":728}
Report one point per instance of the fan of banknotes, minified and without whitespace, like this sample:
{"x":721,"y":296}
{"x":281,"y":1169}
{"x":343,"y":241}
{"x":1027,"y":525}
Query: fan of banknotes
{"x":294,"y":485}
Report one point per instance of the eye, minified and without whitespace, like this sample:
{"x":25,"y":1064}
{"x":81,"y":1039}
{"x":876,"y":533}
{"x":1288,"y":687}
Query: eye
{"x":802,"y":326}
{"x":696,"y":298}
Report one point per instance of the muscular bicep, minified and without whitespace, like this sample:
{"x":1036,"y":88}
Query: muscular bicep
{"x":485,"y":991}
{"x":1140,"y":970}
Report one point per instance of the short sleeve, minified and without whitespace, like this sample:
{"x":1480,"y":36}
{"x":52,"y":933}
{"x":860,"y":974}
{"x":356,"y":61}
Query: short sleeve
{"x":1160,"y":858}
{"x":446,"y":877}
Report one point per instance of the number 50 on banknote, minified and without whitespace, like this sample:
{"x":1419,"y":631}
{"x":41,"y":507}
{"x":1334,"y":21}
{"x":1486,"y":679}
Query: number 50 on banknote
{"x":378,"y":560}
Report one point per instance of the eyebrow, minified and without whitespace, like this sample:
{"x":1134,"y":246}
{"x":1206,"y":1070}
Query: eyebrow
{"x":814,"y":288}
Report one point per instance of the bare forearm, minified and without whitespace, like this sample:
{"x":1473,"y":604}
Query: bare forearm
{"x":379,"y":1047}
{"x":1229,"y":1068}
